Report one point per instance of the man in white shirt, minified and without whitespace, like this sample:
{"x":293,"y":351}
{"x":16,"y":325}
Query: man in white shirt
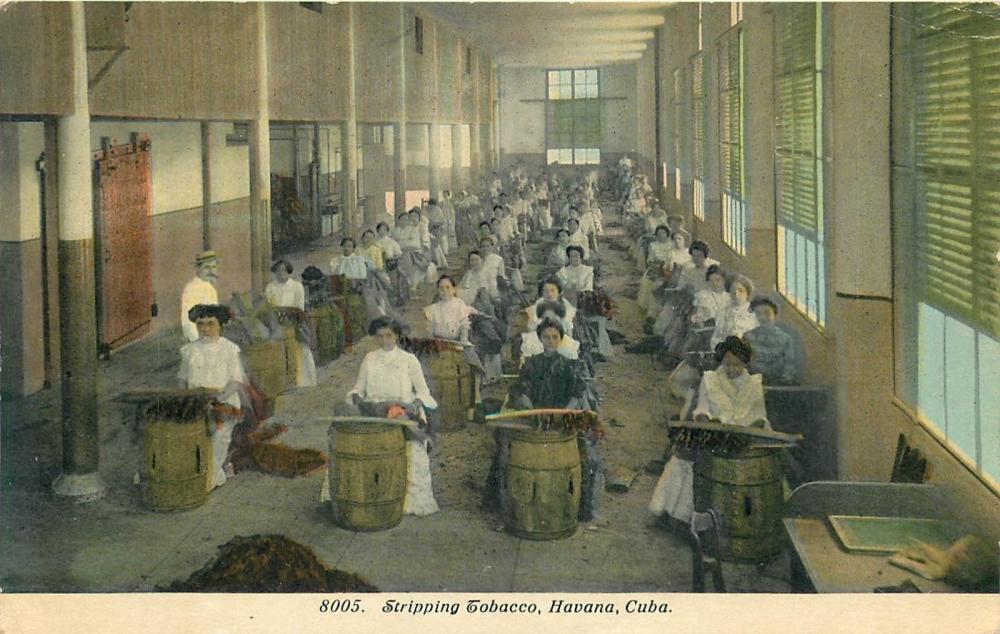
{"x":200,"y":290}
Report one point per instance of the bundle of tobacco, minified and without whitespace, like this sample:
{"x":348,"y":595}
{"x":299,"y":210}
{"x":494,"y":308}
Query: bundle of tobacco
{"x":706,"y":439}
{"x":585,"y":423}
{"x":424,"y":347}
{"x":596,"y":303}
{"x":269,"y":563}
{"x":175,"y":405}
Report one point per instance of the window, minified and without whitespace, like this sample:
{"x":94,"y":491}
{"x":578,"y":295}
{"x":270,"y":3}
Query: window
{"x":798,"y":158}
{"x":701,"y":27}
{"x":735,"y":13}
{"x":698,"y":133}
{"x":468,"y":60}
{"x":418,"y":34}
{"x":950,"y":303}
{"x":573,"y":117}
{"x":731,"y":168}
{"x":678,"y":126}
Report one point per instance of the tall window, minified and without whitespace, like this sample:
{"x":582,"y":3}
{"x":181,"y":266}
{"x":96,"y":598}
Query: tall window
{"x":418,"y":34}
{"x":731,"y":167}
{"x":698,"y":133}
{"x":951,"y":296}
{"x":678,"y":126}
{"x":468,"y":60}
{"x":573,"y":117}
{"x":798,"y":157}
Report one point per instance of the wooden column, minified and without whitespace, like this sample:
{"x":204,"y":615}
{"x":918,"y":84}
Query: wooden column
{"x":456,"y":158}
{"x":260,"y":166}
{"x":80,"y":480}
{"x":349,"y":138}
{"x":434,"y":145}
{"x":206,"y":185}
{"x":50,"y":250}
{"x":315,"y":167}
{"x":399,"y":128}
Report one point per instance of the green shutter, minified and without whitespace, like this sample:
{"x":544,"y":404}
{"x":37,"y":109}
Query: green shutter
{"x":698,"y":112}
{"x":956,"y":60}
{"x":678,"y":113}
{"x":797,"y":156}
{"x":731,"y":112}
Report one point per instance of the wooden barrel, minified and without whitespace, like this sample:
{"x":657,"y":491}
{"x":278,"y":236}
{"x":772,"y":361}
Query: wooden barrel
{"x":293,"y":354}
{"x":453,"y":384}
{"x":543,"y":484}
{"x":368,"y":472}
{"x":267,"y":364}
{"x":329,"y":333}
{"x":746,"y":490}
{"x":177,"y":464}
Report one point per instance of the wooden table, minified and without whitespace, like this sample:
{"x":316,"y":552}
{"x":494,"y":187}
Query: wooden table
{"x":821,"y":564}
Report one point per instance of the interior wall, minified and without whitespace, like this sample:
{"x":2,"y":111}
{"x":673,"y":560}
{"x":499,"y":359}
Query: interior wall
{"x":376,"y":40}
{"x":307,"y":82}
{"x":34,"y":58}
{"x":523,"y":91}
{"x":21,"y":283}
{"x":209,"y":49}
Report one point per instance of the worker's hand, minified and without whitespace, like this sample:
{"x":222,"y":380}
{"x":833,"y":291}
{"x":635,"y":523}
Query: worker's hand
{"x":701,"y":418}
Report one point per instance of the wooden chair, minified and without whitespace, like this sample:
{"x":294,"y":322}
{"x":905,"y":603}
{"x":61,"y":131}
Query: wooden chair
{"x":910,"y":465}
{"x":706,"y":548}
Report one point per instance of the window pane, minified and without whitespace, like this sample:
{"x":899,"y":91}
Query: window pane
{"x":989,"y":404}
{"x":930,"y":354}
{"x":960,"y":368}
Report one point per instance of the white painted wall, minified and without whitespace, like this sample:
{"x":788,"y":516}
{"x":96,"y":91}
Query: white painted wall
{"x":20,"y":190}
{"x":230,"y":165}
{"x":522,"y":109}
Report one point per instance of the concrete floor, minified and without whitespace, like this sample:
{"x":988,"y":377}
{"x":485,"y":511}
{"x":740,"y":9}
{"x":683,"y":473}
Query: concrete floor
{"x":114,"y":545}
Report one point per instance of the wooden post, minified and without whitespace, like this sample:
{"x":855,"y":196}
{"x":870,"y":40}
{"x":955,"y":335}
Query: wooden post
{"x":80,"y":480}
{"x":206,"y":185}
{"x":349,"y":138}
{"x":399,"y":128}
{"x":260,"y":166}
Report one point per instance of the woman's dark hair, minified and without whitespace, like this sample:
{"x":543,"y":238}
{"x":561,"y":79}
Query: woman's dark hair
{"x":432,"y":201}
{"x":555,"y":307}
{"x":715,"y":269}
{"x":282,"y":263}
{"x":485,"y":223}
{"x":495,"y":207}
{"x":366,"y":232}
{"x":550,"y":323}
{"x":574,"y":247}
{"x":385,"y":322}
{"x":763,"y":301}
{"x":344,"y":241}
{"x":554,"y":281}
{"x":735,"y":346}
{"x":663,"y":228}
{"x":218,"y":311}
{"x":380,"y":225}
{"x":472,"y":253}
{"x":573,"y":220}
{"x":311,"y":273}
{"x":698,"y":245}
{"x":447,"y":277}
{"x":560,"y":231}
{"x":415,"y":210}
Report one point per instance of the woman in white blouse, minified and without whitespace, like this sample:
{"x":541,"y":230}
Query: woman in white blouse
{"x":392,"y":375}
{"x":737,"y":318}
{"x":729,"y":395}
{"x":213,"y":362}
{"x":449,"y":316}
{"x":477,"y":277}
{"x":364,"y":278}
{"x":285,"y":292}
{"x":659,"y":255}
{"x":576,"y":277}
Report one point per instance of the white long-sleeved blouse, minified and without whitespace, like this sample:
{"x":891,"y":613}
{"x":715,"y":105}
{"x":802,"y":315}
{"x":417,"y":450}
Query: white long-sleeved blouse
{"x":287,"y":294}
{"x":733,"y":322}
{"x":395,"y":375}
{"x":738,"y":401}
